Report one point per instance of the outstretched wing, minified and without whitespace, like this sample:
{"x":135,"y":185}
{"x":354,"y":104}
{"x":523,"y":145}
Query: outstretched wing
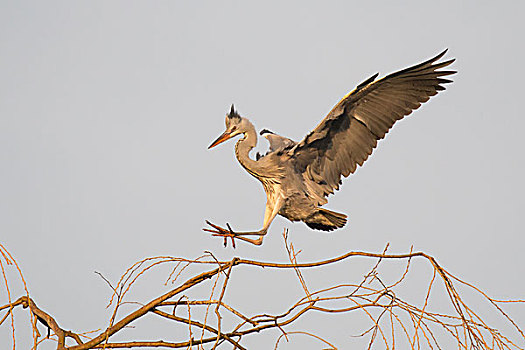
{"x":348,"y":134}
{"x":278,"y":142}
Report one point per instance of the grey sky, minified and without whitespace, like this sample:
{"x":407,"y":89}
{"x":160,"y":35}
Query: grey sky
{"x":107,"y":108}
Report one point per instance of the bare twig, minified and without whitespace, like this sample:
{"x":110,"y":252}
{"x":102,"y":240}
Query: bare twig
{"x":380,"y":303}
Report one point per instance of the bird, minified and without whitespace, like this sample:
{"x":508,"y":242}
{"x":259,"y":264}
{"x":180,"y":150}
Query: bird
{"x":299,"y":176}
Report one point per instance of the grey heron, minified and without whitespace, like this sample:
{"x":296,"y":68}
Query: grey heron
{"x":298,"y":176}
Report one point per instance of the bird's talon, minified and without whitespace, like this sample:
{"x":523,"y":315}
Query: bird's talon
{"x":232,"y":236}
{"x":222,"y":232}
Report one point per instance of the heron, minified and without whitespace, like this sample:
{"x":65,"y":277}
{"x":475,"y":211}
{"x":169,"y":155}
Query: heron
{"x":299,"y":176}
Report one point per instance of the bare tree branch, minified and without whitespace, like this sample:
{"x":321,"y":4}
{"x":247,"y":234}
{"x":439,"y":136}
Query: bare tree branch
{"x":378,"y":301}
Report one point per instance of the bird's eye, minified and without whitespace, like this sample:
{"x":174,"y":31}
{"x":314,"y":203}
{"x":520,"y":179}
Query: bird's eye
{"x":234,"y":128}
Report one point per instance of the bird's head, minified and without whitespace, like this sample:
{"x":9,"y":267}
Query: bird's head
{"x":235,"y":125}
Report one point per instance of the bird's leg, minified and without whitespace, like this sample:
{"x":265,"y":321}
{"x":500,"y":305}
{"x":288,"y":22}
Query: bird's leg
{"x":269,"y":214}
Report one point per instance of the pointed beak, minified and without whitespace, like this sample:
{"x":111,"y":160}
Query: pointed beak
{"x":225,"y":136}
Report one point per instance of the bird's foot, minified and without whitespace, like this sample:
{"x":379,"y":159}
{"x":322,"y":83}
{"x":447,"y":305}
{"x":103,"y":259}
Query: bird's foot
{"x":225,"y":233}
{"x":222,"y":232}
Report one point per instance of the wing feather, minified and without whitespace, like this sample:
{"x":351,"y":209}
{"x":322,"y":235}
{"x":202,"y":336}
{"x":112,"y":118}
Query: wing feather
{"x":346,"y":137}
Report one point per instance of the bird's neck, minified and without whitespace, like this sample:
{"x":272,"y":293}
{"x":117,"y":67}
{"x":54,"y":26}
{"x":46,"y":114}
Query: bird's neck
{"x":242,"y":151}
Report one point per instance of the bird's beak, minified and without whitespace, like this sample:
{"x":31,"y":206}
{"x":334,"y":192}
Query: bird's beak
{"x":225,"y":136}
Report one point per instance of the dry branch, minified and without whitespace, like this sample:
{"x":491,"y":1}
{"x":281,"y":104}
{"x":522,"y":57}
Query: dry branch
{"x":379,"y":302}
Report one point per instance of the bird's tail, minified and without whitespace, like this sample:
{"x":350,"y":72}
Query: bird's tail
{"x":326,"y":220}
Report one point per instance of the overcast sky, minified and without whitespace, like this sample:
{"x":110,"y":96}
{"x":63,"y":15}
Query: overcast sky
{"x":107,"y":109}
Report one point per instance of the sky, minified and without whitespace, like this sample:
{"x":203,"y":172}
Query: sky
{"x":107,"y":109}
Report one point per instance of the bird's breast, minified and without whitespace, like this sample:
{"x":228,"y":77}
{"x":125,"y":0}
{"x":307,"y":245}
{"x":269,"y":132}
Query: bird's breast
{"x":272,"y":188}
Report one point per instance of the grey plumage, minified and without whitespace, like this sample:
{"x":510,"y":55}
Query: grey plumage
{"x":297,"y":177}
{"x":277,"y":142}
